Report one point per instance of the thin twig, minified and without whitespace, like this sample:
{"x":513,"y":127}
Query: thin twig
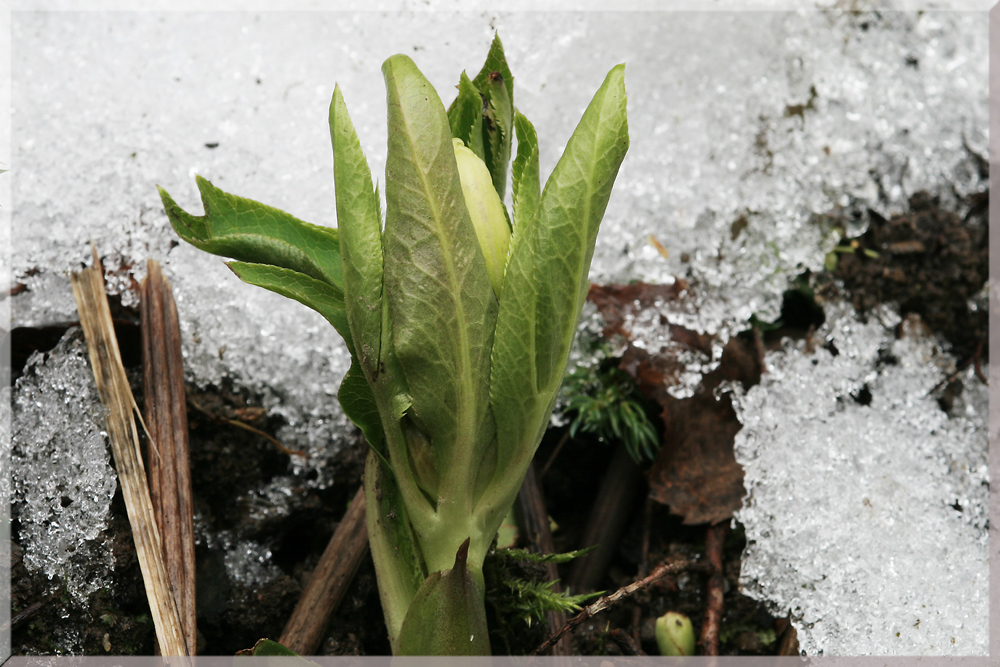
{"x":758,"y":344}
{"x":979,"y":360}
{"x":166,"y":418}
{"x":945,"y":382}
{"x":555,"y":452}
{"x":647,"y":512}
{"x":246,"y":427}
{"x":113,"y":388}
{"x":715,"y":538}
{"x":608,"y":600}
{"x":329,"y":581}
{"x":28,"y":612}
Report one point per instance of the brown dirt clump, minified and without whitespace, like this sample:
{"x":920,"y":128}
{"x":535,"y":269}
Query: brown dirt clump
{"x":930,"y":261}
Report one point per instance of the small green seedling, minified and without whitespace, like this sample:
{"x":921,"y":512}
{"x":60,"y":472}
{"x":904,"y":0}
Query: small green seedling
{"x":458,"y":316}
{"x":849,"y":248}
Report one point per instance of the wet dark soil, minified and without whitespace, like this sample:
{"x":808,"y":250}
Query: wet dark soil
{"x":931,"y":262}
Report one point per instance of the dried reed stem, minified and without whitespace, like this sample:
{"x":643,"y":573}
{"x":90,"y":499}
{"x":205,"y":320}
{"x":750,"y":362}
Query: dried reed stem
{"x":113,"y":387}
{"x":166,"y":419}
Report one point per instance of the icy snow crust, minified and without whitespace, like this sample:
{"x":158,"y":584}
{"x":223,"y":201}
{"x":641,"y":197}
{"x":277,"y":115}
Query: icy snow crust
{"x":760,"y":119}
{"x":867,"y":522}
{"x":62,"y":476}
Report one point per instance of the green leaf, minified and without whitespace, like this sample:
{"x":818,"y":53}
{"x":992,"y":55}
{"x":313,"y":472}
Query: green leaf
{"x":325,"y":299}
{"x":374,"y":394}
{"x":830,"y":261}
{"x":440,"y":300}
{"x":496,"y":61}
{"x":249,"y":231}
{"x":524,"y":173}
{"x":267,"y":652}
{"x":675,"y":634}
{"x":360,"y":229}
{"x":498,"y":118}
{"x":447,"y":615}
{"x":546,"y":281}
{"x":465,"y":116}
{"x":482,"y":114}
{"x":496,"y":84}
{"x":532,"y":557}
{"x":359,"y":405}
{"x":267,"y":647}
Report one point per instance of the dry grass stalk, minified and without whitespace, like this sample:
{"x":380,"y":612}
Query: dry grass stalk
{"x":329,"y":581}
{"x":166,"y":419}
{"x":113,"y":387}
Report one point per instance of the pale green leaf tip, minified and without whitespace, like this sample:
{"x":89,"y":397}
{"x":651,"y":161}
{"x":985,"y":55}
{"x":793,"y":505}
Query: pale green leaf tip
{"x":399,"y":60}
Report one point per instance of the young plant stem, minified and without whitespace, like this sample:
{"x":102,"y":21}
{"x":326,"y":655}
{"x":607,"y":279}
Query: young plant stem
{"x":535,"y":524}
{"x":616,"y":499}
{"x":606,"y":601}
{"x":113,"y":388}
{"x":329,"y":582}
{"x":715,"y":538}
{"x":167,"y":459}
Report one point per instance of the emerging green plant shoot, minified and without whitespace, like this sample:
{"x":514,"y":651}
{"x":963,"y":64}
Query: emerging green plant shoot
{"x":458,"y":317}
